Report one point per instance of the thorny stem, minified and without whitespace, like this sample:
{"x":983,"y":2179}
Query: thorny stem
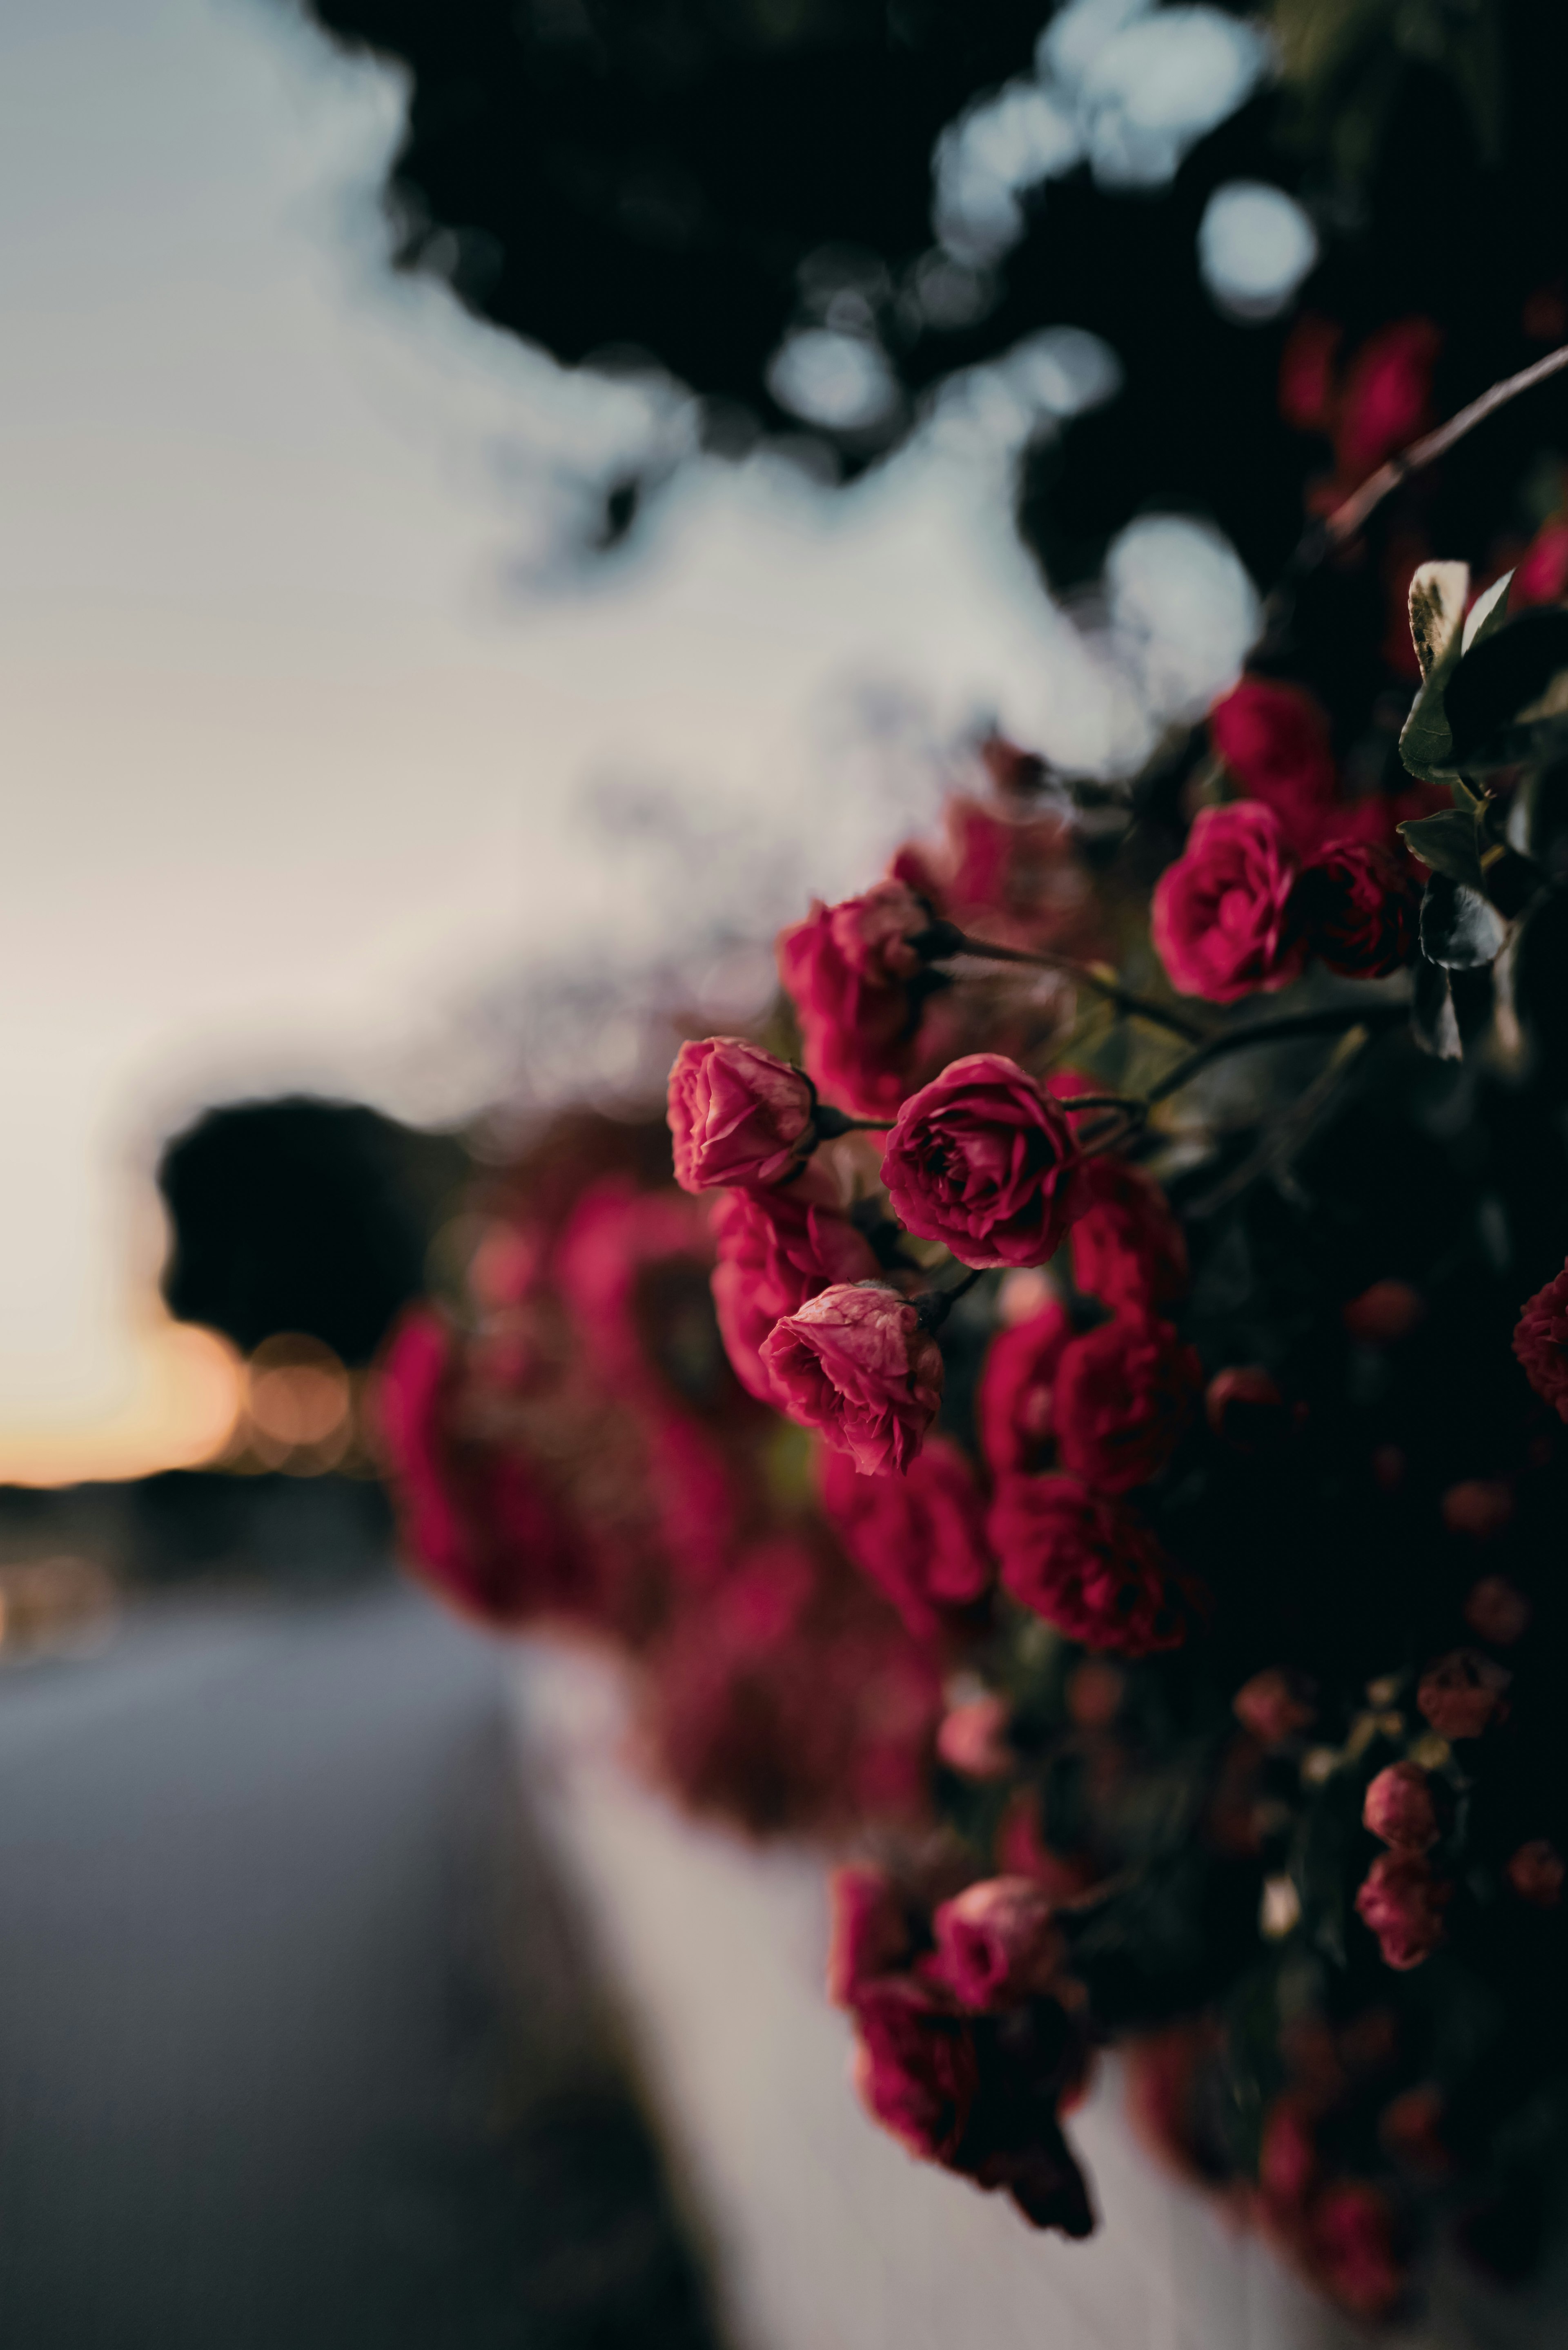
{"x":1330,"y":1023}
{"x":1347,"y":519}
{"x":945,"y":940}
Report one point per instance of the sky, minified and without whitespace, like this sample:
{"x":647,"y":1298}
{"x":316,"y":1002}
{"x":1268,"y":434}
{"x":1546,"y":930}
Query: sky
{"x":310,"y":758}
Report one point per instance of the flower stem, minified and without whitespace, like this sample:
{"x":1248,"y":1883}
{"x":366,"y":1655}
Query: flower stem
{"x":945,"y":940}
{"x":829,"y":1123}
{"x":1330,"y":1023}
{"x":934,"y":1305}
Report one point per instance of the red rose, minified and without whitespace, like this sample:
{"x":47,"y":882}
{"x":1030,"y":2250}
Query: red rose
{"x":1275,"y":741}
{"x":1402,"y":1902}
{"x":1288,"y":2162}
{"x":1124,"y":1395}
{"x":1127,"y":1246}
{"x":1535,"y":1873}
{"x":857,"y":1363}
{"x":1384,"y":402}
{"x":869,"y":1934}
{"x":1482,"y":1507}
{"x":1462,"y":1693}
{"x":847,"y":969}
{"x":1540,"y":1342}
{"x":737,"y":1114}
{"x":776,"y":1250}
{"x":1086,"y":1565}
{"x":1541,"y":575}
{"x":1015,"y":1405}
{"x":1398,"y":1807}
{"x":1359,"y":906}
{"x":1273,"y":1706}
{"x":984,"y":1160}
{"x":1383,"y":1314}
{"x":916,"y":2066}
{"x":996,"y":1943}
{"x":920,"y":1537}
{"x":1307,"y":372}
{"x":1221,"y":918}
{"x":973,"y":1740}
{"x":1353,"y":2248}
{"x":479,"y":1524}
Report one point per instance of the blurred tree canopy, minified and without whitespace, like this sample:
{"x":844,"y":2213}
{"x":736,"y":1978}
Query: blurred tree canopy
{"x":693,"y":180}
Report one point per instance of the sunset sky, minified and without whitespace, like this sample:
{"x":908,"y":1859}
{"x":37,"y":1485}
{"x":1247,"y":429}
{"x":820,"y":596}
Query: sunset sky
{"x":297,"y":744}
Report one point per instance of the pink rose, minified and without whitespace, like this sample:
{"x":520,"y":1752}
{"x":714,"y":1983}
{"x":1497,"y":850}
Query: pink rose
{"x":996,"y":1943}
{"x":869,"y":1934}
{"x":920,"y":1537}
{"x":857,"y":1363}
{"x":1398,"y":1807}
{"x":1402,"y":1902}
{"x":776,"y":1249}
{"x":1540,"y":1342}
{"x":1124,"y":1393}
{"x":1221,"y":918}
{"x":916,"y":2066}
{"x":737,"y":1114}
{"x":848,"y":970}
{"x":984,"y":1160}
{"x":1086,"y":1565}
{"x":1127,"y":1246}
{"x":1359,"y":908}
{"x":1016,"y":1405}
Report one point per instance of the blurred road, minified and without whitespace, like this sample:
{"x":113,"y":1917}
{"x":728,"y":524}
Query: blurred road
{"x":296,"y":2045}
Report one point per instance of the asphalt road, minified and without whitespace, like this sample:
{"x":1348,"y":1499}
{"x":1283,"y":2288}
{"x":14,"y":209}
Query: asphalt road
{"x":298,"y":2045}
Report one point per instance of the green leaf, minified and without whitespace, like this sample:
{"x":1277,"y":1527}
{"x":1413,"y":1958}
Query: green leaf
{"x":1447,"y":842}
{"x":1488,"y":612}
{"x":1438,"y":593}
{"x":1459,"y":929}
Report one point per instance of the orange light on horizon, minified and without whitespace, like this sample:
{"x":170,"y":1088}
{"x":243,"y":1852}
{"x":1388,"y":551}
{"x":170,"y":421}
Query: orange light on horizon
{"x":181,"y":1412}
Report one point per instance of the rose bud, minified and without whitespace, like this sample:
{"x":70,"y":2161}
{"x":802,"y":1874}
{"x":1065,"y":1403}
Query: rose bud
{"x":1402,"y":1903}
{"x":1384,"y":1313}
{"x":846,"y":969}
{"x":1462,"y":1693}
{"x":919,"y":1537}
{"x":1535,"y":1873}
{"x":996,"y":1943}
{"x":1497,"y":1611}
{"x":1398,"y":1807}
{"x":1124,"y":1393}
{"x":737,"y":1114}
{"x":857,"y":1363}
{"x":1480,"y":1507}
{"x":1273,"y":1706}
{"x":983,"y":1159}
{"x":1086,"y":1565}
{"x":869,"y":1933}
{"x":1409,"y":2130}
{"x":1245,"y":1409}
{"x":972,"y":1739}
{"x":1221,"y":918}
{"x":1360,"y":908}
{"x":1127,"y":1246}
{"x":916,"y":2067}
{"x":1540,"y":1342}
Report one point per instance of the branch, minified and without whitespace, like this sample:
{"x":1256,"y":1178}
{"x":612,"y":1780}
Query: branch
{"x":1293,"y":1024}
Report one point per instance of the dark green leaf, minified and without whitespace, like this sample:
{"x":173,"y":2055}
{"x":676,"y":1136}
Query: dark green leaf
{"x":1503,"y":675}
{"x":1459,"y":929}
{"x":1432,"y":1014}
{"x":1447,"y":842}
